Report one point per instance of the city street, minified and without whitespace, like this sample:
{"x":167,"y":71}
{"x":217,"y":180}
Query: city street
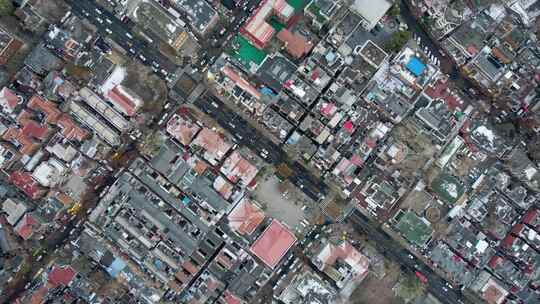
{"x":121,"y":33}
{"x":393,"y":250}
{"x":247,"y":135}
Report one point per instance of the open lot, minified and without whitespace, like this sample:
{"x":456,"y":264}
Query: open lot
{"x":286,"y":209}
{"x":413,"y":228}
{"x":378,"y":291}
{"x":246,"y":53}
{"x":419,"y":148}
{"x":448,"y":188}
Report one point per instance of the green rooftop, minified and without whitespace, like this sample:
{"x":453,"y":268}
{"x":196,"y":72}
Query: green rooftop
{"x":413,"y":228}
{"x":316,"y":11}
{"x":298,"y":5}
{"x":278,"y":26}
{"x":448,"y":188}
{"x":246,"y":53}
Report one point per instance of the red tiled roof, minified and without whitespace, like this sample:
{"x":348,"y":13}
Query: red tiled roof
{"x":529,"y":216}
{"x":61,"y":276}
{"x":28,"y":146}
{"x":38,"y":297}
{"x":440,"y":90}
{"x":24,"y":117}
{"x":297,"y":46}
{"x":190,"y":267}
{"x":241,"y":82}
{"x":494,"y":261}
{"x":212,"y":143}
{"x":27,"y":184}
{"x":347,"y":253}
{"x":236,"y":167}
{"x":48,"y":108}
{"x":245,"y":217}
{"x":493,"y":293}
{"x":273,"y":244}
{"x":70,"y":130}
{"x":349,"y":126}
{"x":35,"y":130}
{"x":230,"y":298}
{"x":8,"y":99}
{"x":508,"y":241}
{"x":25,"y":228}
{"x":123,"y":101}
{"x":182,"y":129}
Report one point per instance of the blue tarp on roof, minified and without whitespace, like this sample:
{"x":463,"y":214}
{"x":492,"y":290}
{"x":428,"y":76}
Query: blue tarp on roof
{"x":267,"y":91}
{"x":416,"y":66}
{"x":116,"y":267}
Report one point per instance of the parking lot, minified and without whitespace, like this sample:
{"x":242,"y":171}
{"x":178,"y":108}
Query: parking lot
{"x":284,"y":207}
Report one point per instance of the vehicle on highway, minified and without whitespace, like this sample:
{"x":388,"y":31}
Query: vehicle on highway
{"x":108,"y":20}
{"x":98,"y":10}
{"x":108,"y":31}
{"x":132,"y":51}
{"x":99,"y":20}
{"x":129,"y":35}
{"x":141,"y":56}
{"x":421,"y":277}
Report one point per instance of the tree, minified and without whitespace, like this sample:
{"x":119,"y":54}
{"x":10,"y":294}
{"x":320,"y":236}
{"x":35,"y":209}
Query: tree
{"x":397,"y":41}
{"x":6,"y":7}
{"x":410,"y":287}
{"x":394,"y":10}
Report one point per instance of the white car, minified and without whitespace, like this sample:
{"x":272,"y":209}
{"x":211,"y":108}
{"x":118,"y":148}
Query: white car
{"x":108,"y":31}
{"x":142,"y":57}
{"x":99,"y":20}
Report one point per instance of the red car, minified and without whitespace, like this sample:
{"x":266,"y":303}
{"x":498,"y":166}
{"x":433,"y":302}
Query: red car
{"x":421,"y":277}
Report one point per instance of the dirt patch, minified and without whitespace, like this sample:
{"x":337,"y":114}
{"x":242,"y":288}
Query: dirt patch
{"x":278,"y":202}
{"x":375,"y":291}
{"x":147,"y":85}
{"x":419,"y":148}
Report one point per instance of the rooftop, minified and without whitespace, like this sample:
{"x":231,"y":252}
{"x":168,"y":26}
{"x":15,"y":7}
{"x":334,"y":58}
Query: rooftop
{"x":273,"y":244}
{"x":415,"y":229}
{"x":25,"y":227}
{"x":151,"y":15}
{"x":257,"y":29}
{"x":25,"y":182}
{"x":246,"y":53}
{"x":14,"y":210}
{"x":200,"y":14}
{"x":182,"y":129}
{"x":331,"y":258}
{"x":237,"y":169}
{"x":61,"y":276}
{"x":449,"y":188}
{"x":213,"y":145}
{"x":371,"y":11}
{"x":125,"y":101}
{"x":245,"y":217}
{"x":296,"y":45}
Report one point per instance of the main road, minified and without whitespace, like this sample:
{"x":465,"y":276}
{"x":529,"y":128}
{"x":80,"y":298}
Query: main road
{"x":391,"y":249}
{"x":109,"y":26}
{"x":247,"y":135}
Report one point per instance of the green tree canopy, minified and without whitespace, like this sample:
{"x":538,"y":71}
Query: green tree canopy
{"x":397,"y":41}
{"x":6,"y":7}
